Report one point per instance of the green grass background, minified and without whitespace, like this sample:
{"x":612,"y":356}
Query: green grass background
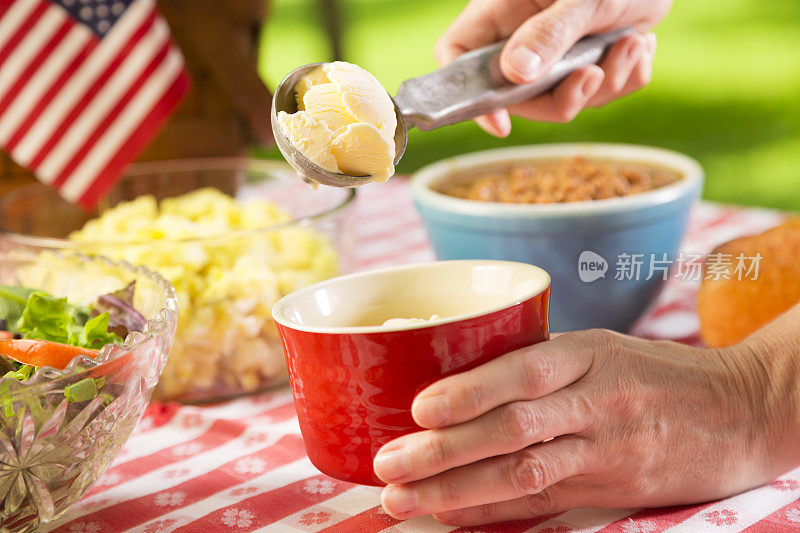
{"x":726,"y":87}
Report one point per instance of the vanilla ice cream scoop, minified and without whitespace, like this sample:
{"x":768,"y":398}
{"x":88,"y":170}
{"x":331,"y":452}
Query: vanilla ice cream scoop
{"x":345,"y":121}
{"x":337,"y":125}
{"x":401,"y":322}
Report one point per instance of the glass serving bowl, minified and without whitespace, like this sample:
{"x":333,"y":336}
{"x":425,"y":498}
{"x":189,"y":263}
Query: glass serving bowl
{"x":51,"y":450}
{"x":226,"y":343}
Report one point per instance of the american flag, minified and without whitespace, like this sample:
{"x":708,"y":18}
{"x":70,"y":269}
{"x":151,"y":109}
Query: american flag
{"x":84,"y":85}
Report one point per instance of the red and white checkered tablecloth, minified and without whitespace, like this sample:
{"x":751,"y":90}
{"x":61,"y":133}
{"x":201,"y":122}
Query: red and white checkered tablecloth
{"x":241,"y":466}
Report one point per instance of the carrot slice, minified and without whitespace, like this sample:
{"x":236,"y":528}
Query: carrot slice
{"x":5,"y":335}
{"x":42,"y":353}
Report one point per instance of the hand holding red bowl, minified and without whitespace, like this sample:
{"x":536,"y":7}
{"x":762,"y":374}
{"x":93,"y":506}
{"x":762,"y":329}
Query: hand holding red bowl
{"x":354,"y":378}
{"x":599,"y":419}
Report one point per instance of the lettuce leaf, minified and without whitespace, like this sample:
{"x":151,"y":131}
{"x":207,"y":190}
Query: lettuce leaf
{"x":12,"y":303}
{"x":54,"y":319}
{"x":94,"y":334}
{"x":119,"y":305}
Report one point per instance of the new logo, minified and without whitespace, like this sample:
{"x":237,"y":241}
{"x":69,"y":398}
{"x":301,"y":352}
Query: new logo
{"x":591,"y":266}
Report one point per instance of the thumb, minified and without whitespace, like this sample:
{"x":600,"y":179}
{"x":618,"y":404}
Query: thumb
{"x":544,"y":38}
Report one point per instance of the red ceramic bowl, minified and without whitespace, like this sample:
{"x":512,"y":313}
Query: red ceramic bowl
{"x":354,"y":379}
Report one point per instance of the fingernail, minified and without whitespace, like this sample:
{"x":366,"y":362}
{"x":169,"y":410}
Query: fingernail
{"x":590,"y":86}
{"x":496,"y":123}
{"x":486,"y":125}
{"x":449,"y":518}
{"x":391,"y":465}
{"x":633,"y":49}
{"x":432,"y":411}
{"x":652,"y":42}
{"x":502,"y":121}
{"x":524,"y":62}
{"x":399,"y":500}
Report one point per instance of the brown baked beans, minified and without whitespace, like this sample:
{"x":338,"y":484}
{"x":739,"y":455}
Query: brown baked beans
{"x":575,"y":179}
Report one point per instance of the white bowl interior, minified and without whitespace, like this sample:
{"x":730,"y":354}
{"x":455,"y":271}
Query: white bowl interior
{"x":453,"y":290}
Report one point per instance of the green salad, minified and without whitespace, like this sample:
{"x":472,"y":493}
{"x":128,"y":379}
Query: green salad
{"x":38,"y":329}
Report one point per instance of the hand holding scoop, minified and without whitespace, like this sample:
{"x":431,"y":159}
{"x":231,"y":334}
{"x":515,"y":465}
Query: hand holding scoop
{"x":470,"y":86}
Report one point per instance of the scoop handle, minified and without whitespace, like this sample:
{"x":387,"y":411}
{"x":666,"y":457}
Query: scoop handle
{"x":473,"y":85}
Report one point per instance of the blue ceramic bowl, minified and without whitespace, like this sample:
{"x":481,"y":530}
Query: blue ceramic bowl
{"x":590,"y":249}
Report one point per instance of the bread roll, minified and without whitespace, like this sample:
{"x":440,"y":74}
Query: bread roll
{"x":731,"y":308}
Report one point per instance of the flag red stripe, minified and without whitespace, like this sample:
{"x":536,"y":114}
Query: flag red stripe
{"x":152,"y":122}
{"x":111,"y":115}
{"x":4,"y":7}
{"x":34,"y":65}
{"x":269,"y":507}
{"x":90,"y":93}
{"x":133,"y":512}
{"x":43,"y":102}
{"x":23,"y":30}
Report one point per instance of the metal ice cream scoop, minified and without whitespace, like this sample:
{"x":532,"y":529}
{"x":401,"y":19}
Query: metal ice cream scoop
{"x":470,"y":86}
